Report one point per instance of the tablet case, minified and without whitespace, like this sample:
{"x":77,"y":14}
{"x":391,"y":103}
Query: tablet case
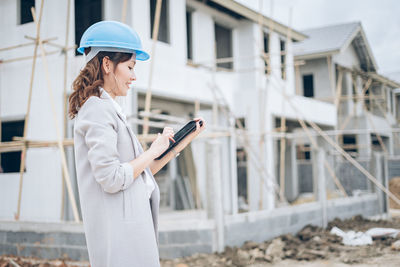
{"x":180,"y":135}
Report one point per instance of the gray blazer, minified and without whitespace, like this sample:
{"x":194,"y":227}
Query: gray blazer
{"x":121,"y":224}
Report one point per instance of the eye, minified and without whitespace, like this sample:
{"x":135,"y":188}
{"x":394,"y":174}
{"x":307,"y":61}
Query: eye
{"x":130,"y":68}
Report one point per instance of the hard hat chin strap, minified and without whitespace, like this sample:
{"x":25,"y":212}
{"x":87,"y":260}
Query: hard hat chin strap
{"x":95,"y":50}
{"x":116,"y":81}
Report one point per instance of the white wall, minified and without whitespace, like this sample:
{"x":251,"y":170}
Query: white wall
{"x":319,"y":69}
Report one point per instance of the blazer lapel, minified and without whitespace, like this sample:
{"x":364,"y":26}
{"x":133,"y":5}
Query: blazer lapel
{"x":136,"y":145}
{"x":131,"y":134}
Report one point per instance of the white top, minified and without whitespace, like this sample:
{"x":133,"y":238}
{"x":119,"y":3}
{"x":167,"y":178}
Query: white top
{"x":147,"y":180}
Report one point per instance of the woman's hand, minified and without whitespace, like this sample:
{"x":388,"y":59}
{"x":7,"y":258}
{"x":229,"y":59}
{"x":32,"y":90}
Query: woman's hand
{"x":194,"y":134}
{"x":162,"y":142}
{"x":156,"y":165}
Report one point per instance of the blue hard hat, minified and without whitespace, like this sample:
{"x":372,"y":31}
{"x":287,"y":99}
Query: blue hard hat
{"x":112,"y":34}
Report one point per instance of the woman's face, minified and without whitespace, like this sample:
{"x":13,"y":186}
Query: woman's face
{"x":124,"y":76}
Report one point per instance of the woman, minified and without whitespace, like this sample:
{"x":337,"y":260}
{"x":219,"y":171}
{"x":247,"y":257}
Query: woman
{"x":118,"y":193}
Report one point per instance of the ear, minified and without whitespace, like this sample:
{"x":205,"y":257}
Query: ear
{"x":107,"y":65}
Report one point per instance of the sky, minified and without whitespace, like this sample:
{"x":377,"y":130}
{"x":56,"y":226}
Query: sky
{"x":380,"y":20}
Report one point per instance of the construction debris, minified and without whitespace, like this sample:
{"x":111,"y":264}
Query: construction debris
{"x":312,"y":243}
{"x":12,"y":261}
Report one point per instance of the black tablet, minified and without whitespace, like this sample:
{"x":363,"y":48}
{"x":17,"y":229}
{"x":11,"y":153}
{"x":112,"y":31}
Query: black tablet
{"x":180,"y":135}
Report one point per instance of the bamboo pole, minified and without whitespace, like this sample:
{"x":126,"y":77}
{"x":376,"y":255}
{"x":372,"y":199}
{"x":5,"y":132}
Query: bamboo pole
{"x":350,"y":97}
{"x":65,"y":116}
{"x":297,"y":79}
{"x":271,"y":30}
{"x":16,"y":46}
{"x":19,"y":145}
{"x":28,"y":109}
{"x":54,"y":111}
{"x":45,"y":41}
{"x":261,"y":100}
{"x":338,"y":89}
{"x":1,"y":168}
{"x":25,"y":58}
{"x":196,"y":108}
{"x":153,"y":51}
{"x":329,"y":62}
{"x":123,"y":15}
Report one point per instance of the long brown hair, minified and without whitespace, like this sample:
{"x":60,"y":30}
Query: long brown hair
{"x":91,"y":78}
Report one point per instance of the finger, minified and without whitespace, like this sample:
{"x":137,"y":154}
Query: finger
{"x":167,"y":129}
{"x":172,"y":139}
{"x":169,"y":132}
{"x":198,"y":120}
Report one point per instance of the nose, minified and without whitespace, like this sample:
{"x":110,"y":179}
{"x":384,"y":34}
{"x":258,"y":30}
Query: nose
{"x":133,"y":76}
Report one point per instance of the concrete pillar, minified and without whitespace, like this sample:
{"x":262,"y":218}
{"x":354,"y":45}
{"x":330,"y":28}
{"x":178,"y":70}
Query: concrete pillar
{"x":348,"y":92}
{"x":386,"y":183}
{"x":318,"y":157}
{"x":233,"y":172}
{"x":380,"y":172}
{"x":172,"y":173}
{"x":289,"y":69}
{"x":291,"y":177}
{"x":275,"y":54}
{"x":359,"y":102}
{"x":203,"y":38}
{"x":215,"y":208}
{"x":364,"y":140}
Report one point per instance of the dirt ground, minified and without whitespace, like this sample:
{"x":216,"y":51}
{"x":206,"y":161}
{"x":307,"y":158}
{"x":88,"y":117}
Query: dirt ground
{"x":311,"y":247}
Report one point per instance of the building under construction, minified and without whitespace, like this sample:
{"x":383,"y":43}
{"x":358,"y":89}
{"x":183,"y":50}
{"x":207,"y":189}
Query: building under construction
{"x":301,"y":126}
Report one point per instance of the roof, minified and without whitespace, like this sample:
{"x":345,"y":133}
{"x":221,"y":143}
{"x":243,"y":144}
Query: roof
{"x":254,"y":16}
{"x":333,"y":39}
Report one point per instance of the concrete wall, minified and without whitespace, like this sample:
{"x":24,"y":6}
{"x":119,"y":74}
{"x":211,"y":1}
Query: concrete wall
{"x":350,"y":177}
{"x":260,"y":226}
{"x":320,"y":71}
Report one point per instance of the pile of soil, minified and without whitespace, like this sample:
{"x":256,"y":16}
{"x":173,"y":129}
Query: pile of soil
{"x":394,"y":188}
{"x":310,"y":244}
